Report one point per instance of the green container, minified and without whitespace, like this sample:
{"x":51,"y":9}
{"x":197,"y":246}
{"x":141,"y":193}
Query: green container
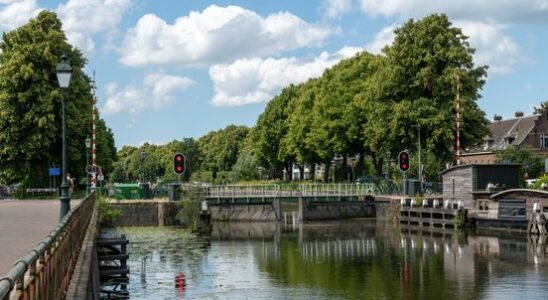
{"x":123,"y":191}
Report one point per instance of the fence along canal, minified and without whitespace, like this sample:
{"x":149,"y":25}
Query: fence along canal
{"x":45,"y":272}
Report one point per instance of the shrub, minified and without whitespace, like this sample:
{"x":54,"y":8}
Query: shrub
{"x":106,"y":212}
{"x":189,"y":214}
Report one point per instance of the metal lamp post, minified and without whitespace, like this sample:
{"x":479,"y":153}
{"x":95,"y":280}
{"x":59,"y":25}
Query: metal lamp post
{"x":88,"y":147}
{"x":64,"y":73}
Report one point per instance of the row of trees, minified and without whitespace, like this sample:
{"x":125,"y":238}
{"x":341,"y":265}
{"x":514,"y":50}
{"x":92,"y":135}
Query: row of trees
{"x":373,"y":105}
{"x":368,"y":106}
{"x":30,"y":105}
{"x":211,"y":157}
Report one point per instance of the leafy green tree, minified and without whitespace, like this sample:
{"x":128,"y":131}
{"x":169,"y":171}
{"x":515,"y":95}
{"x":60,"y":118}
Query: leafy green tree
{"x":417,"y":87}
{"x":30,"y":101}
{"x":30,"y":104}
{"x":270,"y":130}
{"x":299,"y":142}
{"x":220,"y":149}
{"x":105,"y":147}
{"x":532,"y":164}
{"x":246,"y":167}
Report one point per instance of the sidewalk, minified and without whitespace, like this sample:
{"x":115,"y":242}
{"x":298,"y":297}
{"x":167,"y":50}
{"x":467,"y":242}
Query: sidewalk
{"x":23,"y":223}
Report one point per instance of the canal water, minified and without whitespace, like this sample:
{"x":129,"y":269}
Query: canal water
{"x":331,"y":260}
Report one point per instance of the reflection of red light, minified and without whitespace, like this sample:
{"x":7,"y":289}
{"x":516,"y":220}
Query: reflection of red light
{"x":178,"y":158}
{"x":404,"y":156}
{"x":181,"y":283}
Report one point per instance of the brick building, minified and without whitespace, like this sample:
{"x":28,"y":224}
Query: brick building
{"x":520,"y":130}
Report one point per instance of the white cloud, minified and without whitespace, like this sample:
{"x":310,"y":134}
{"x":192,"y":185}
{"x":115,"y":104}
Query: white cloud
{"x":493,"y":47}
{"x":382,"y":38}
{"x":255,"y":80}
{"x":499,"y":11}
{"x":84,"y":18}
{"x":335,"y":8}
{"x":14,"y":13}
{"x":154,"y":92}
{"x":216,"y":35}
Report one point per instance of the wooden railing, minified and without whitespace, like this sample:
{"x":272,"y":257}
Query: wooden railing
{"x":44,"y":273}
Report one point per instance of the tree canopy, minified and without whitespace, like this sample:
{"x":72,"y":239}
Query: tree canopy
{"x":30,"y":104}
{"x":367,"y":108}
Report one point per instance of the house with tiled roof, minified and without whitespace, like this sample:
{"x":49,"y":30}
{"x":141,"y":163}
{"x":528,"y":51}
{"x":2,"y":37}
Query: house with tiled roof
{"x":520,"y":130}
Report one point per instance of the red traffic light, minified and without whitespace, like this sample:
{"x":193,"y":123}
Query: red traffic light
{"x":179,"y":164}
{"x":403,"y":161}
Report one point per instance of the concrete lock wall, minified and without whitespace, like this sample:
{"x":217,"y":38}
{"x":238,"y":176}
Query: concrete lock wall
{"x":310,"y":211}
{"x":243,"y":212}
{"x":146,"y":213}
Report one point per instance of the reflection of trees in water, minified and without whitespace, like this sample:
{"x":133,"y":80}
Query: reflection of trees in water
{"x":351,"y":260}
{"x":369,"y":262}
{"x":167,"y":250}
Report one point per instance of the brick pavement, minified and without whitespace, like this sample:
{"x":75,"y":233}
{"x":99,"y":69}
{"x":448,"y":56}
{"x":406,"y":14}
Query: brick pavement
{"x":23,"y":223}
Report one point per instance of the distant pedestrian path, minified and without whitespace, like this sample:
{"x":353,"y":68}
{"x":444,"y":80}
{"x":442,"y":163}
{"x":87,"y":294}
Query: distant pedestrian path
{"x":23,"y":223}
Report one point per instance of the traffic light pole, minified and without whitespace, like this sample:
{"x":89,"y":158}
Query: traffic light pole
{"x":404,"y":189}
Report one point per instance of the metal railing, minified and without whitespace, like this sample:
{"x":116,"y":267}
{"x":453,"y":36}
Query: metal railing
{"x":337,"y":189}
{"x":277,"y":191}
{"x":242,"y":191}
{"x":44,"y":273}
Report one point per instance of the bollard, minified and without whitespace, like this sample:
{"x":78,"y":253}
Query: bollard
{"x":536,"y":207}
{"x":402,"y":202}
{"x":413,"y":202}
{"x":436,"y":203}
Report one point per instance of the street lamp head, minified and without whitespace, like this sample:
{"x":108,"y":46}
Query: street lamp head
{"x":64,"y":72}
{"x":142,"y":155}
{"x":88,"y":142}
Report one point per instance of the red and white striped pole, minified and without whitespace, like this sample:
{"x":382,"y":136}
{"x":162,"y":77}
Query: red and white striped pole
{"x":458,"y":121}
{"x":93,"y":136}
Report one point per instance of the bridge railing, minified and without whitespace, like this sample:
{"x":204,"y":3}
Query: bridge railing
{"x":242,"y":191}
{"x":337,"y":189}
{"x":238,"y":193}
{"x":44,"y":273}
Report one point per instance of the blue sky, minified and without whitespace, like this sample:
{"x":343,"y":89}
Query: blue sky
{"x":178,"y":68}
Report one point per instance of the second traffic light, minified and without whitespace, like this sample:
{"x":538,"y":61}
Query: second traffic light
{"x":404,"y":161}
{"x":179,"y":164}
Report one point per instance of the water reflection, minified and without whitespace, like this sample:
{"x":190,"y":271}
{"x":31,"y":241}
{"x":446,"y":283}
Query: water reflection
{"x":341,"y":260}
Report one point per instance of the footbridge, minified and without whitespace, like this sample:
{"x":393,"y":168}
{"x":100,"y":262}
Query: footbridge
{"x":305,"y":202}
{"x":243,"y":194}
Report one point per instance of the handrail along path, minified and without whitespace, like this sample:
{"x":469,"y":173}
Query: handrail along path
{"x":44,"y":273}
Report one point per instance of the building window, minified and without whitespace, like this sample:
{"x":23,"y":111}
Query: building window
{"x":544,"y":141}
{"x":483,"y":205}
{"x":512,"y":209}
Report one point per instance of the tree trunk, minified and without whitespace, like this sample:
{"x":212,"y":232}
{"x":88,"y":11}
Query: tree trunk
{"x":289,"y":171}
{"x":378,"y":162}
{"x":327,"y":171}
{"x":360,"y":165}
{"x":301,"y":172}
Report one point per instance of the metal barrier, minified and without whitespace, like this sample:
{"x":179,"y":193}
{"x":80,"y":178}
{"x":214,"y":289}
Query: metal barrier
{"x":242,"y":191}
{"x":337,"y":189}
{"x":44,"y":273}
{"x":236,"y":193}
